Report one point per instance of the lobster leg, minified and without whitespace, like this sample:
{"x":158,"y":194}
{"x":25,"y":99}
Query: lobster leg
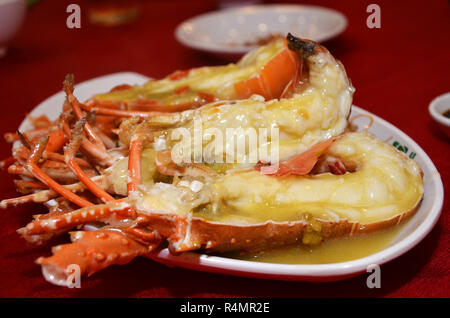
{"x":33,"y":168}
{"x":5,"y":163}
{"x":109,"y":143}
{"x":134,"y":164}
{"x":68,"y":88}
{"x":100,"y":156}
{"x":69,"y":154}
{"x":31,"y":134}
{"x":92,"y":146}
{"x":27,"y":186}
{"x":126,"y":113}
{"x":92,"y":251}
{"x":63,"y":175}
{"x":58,"y":207}
{"x":112,"y":212}
{"x":45,"y":195}
{"x":58,"y":157}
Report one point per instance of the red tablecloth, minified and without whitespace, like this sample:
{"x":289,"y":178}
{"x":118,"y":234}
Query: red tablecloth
{"x":397,"y":70}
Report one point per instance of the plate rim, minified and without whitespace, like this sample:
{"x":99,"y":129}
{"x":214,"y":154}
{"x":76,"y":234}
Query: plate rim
{"x":241,"y":49}
{"x":295,"y":272}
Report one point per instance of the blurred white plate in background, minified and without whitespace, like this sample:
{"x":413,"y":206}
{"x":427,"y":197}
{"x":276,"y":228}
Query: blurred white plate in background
{"x":12,"y":14}
{"x":239,"y":30}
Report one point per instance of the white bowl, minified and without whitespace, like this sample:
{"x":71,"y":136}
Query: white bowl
{"x":233,"y":31}
{"x":437,"y":108}
{"x":12,"y":13}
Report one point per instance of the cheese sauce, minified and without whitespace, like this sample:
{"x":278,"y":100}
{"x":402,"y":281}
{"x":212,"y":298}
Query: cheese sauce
{"x":217,"y":83}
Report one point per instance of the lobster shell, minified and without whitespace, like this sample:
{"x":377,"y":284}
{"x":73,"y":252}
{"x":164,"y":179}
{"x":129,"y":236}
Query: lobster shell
{"x":186,"y":234}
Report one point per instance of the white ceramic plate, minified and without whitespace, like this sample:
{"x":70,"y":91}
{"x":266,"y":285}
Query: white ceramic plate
{"x":233,"y":30}
{"x":415,"y":230}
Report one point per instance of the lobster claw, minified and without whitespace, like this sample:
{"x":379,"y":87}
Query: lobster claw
{"x":92,"y":251}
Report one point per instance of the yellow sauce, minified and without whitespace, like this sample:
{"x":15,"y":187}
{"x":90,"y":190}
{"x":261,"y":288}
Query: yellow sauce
{"x":333,"y":251}
{"x":214,"y":80}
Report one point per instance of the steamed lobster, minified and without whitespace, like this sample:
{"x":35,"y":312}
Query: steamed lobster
{"x":329,"y":183}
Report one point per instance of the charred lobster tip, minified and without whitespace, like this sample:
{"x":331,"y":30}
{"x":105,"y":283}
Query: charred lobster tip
{"x":303,"y":47}
{"x":68,"y":82}
{"x":24,"y":140}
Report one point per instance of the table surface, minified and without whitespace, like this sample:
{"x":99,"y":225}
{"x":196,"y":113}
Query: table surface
{"x":397,"y":70}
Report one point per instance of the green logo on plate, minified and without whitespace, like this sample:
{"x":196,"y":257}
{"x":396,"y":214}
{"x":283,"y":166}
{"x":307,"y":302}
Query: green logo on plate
{"x":404,"y":149}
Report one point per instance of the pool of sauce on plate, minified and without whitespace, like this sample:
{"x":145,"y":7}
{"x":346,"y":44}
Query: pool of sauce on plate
{"x":332,"y":251}
{"x":446,"y":113}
